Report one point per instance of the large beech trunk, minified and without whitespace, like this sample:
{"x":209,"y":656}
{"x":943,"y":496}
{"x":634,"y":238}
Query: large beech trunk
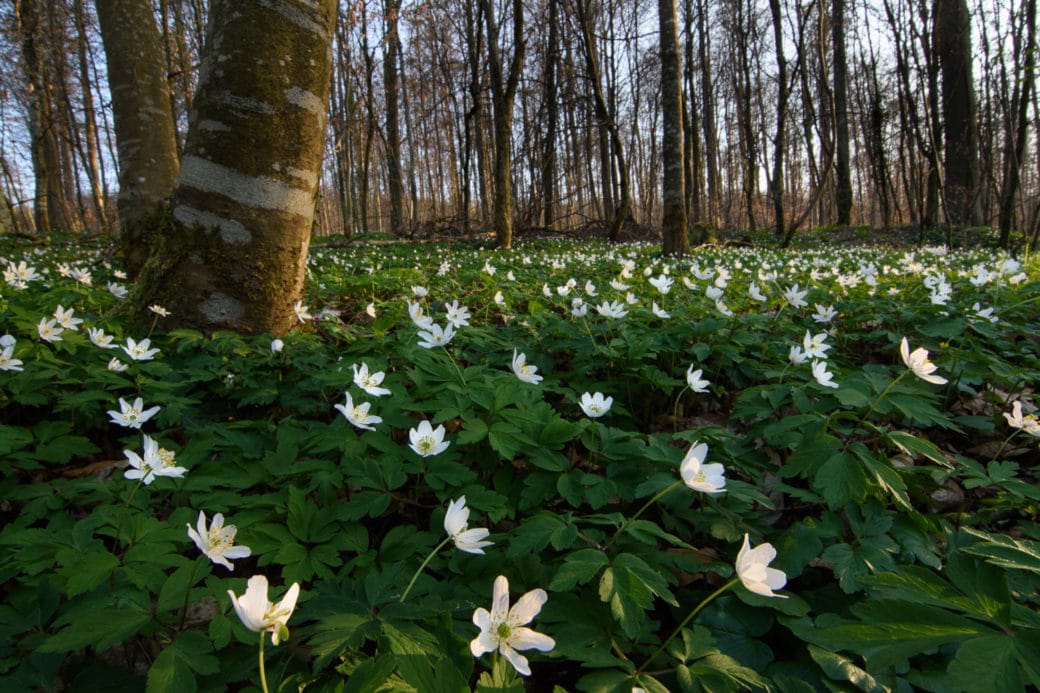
{"x":232,"y":254}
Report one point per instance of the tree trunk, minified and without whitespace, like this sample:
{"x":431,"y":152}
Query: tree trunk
{"x":552,"y":117}
{"x":144,"y":123}
{"x":776,"y":183}
{"x":1016,"y":142}
{"x":711,"y":148}
{"x":503,"y":94}
{"x":952,"y":31}
{"x":93,"y":160}
{"x":234,"y":254}
{"x":391,"y":82}
{"x":842,"y":169}
{"x":673,"y":191}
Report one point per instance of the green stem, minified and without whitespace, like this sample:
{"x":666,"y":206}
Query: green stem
{"x":675,"y":409}
{"x":263,"y":673}
{"x":1004,"y":445}
{"x":454,"y":363}
{"x":417,"y":573}
{"x":126,"y":505}
{"x":882,"y":396}
{"x":187,"y":592}
{"x":639,"y":512}
{"x":707,"y":600}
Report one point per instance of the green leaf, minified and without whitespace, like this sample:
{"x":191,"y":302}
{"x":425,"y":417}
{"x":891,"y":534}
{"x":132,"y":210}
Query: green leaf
{"x":577,"y":569}
{"x":841,"y":480}
{"x":1005,"y":551}
{"x":841,"y":668}
{"x":891,"y":632}
{"x":170,"y":674}
{"x":93,"y":568}
{"x":369,"y":674}
{"x":987,"y":663}
{"x":912,"y":445}
{"x":474,"y":430}
{"x":101,"y":629}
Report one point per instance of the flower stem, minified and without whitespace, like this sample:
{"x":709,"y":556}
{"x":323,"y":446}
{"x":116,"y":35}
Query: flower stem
{"x":689,"y":617}
{"x":1004,"y":445}
{"x":675,"y":409}
{"x":882,"y":396}
{"x":263,"y":673}
{"x":454,"y":363}
{"x":187,"y":592}
{"x":639,"y":512}
{"x":416,"y":576}
{"x":126,"y":505}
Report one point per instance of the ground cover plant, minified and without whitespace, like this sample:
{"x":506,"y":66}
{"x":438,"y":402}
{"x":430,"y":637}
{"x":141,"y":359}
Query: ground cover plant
{"x":561,"y":467}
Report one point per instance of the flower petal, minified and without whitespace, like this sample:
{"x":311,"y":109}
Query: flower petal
{"x":526,"y":639}
{"x":527,"y":607}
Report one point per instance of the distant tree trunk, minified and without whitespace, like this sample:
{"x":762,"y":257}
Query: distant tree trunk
{"x":613,"y":151}
{"x":391,"y":82}
{"x":93,"y":160}
{"x":674,"y":220}
{"x":776,"y":182}
{"x":952,"y":32}
{"x":370,"y":123}
{"x":876,"y":117}
{"x":1015,"y":142}
{"x":552,"y":117}
{"x":842,"y":169}
{"x":234,"y":254}
{"x":144,"y":123}
{"x":711,"y":148}
{"x":933,"y":130}
{"x":692,"y":132}
{"x":42,"y":142}
{"x":503,"y":94}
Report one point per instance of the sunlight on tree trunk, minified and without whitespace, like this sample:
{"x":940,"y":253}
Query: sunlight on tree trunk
{"x":234,"y":254}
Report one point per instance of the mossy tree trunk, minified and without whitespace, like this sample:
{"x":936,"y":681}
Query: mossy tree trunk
{"x":233,"y":252}
{"x":145,"y":137}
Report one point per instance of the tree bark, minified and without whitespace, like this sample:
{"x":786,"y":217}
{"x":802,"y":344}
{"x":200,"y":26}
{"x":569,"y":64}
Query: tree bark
{"x":1015,"y":145}
{"x":952,"y":32}
{"x":776,"y":182}
{"x":552,"y":117}
{"x":145,"y":136}
{"x":234,"y":254}
{"x":673,"y":191}
{"x":391,"y":91}
{"x":842,"y":168}
{"x":503,"y":94}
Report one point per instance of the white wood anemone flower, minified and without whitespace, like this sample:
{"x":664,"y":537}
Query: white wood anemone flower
{"x":456,"y":524}
{"x":357,"y":414}
{"x":752,"y":566}
{"x":259,"y":615}
{"x":504,"y":629}
{"x":369,"y":381}
{"x":917,"y":361}
{"x":706,"y":478}
{"x":217,"y":542}
{"x":595,"y":404}
{"x":524,"y":370}
{"x":427,"y":441}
